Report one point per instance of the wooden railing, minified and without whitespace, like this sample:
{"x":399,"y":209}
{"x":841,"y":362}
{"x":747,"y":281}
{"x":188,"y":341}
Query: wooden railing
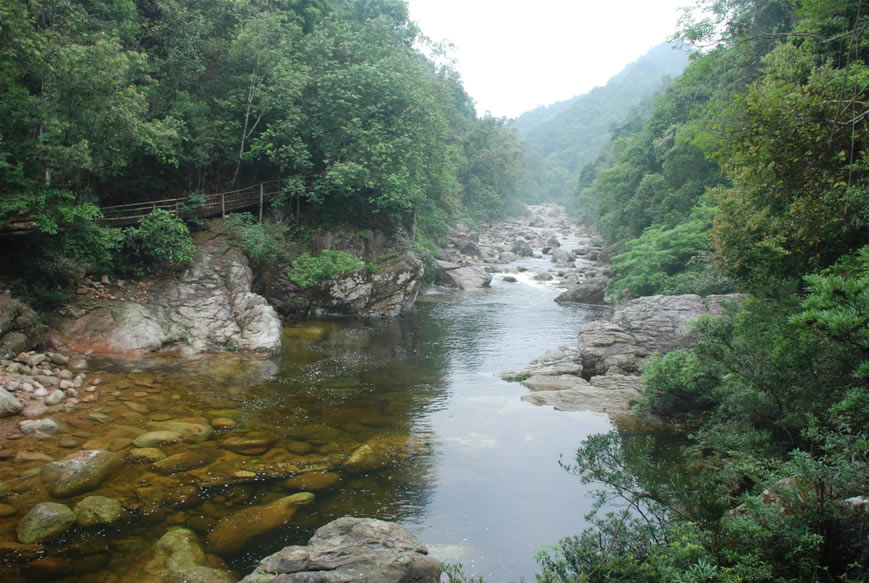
{"x":210,"y":205}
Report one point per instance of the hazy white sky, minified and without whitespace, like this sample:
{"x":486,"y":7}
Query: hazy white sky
{"x":514,"y":55}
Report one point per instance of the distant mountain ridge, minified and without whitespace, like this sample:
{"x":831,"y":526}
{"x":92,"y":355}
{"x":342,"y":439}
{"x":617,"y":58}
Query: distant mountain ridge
{"x":561,"y":138}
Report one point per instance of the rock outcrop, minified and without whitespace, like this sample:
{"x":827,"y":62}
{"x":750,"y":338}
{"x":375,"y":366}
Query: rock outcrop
{"x":641,"y":328}
{"x":386,"y":288}
{"x":358,"y":550}
{"x":602,"y":373}
{"x":210,"y":307}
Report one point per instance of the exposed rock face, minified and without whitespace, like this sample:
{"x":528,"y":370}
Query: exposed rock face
{"x":20,"y":328}
{"x":233,"y":532}
{"x":211,"y":307}
{"x":352,"y":550}
{"x":78,"y":472}
{"x":386,"y":291}
{"x":641,"y":328}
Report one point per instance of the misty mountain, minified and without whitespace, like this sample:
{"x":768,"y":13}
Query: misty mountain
{"x":559,"y":139}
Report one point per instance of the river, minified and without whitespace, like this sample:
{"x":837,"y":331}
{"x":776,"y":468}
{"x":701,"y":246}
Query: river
{"x":476,"y":477}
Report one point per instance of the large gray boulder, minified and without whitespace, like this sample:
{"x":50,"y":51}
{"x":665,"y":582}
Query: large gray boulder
{"x":464,"y":276}
{"x":590,"y":290}
{"x":9,"y":405}
{"x":641,"y":328}
{"x":352,"y":550}
{"x":210,"y":307}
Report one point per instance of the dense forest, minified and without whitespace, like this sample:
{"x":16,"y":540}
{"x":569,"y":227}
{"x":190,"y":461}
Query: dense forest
{"x":750,"y":174}
{"x":561,"y":138}
{"x":114,"y":101}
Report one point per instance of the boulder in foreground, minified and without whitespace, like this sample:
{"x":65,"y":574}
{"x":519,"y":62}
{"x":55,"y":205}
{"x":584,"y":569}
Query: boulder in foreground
{"x":358,"y":550}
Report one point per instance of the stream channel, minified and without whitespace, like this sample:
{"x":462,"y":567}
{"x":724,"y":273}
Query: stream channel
{"x":463,"y":463}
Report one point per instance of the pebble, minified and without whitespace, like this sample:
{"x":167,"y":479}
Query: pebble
{"x":68,"y":443}
{"x":91,"y":389}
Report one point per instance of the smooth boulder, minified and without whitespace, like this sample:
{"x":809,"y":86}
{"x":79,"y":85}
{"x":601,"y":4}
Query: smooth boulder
{"x":78,"y":472}
{"x":44,"y":521}
{"x":358,"y":550}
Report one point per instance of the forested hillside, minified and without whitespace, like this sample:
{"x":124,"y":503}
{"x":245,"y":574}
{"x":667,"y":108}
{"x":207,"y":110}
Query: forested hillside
{"x":750,"y":174}
{"x":113,"y":101}
{"x":561,"y":138}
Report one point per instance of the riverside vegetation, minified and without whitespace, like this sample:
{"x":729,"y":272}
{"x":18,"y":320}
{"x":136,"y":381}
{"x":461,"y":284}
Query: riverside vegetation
{"x":749,"y":173}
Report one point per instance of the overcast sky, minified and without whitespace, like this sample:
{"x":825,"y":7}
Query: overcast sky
{"x":515,"y":55}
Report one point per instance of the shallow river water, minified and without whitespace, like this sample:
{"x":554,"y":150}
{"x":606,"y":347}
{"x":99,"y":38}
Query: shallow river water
{"x":474,"y":471}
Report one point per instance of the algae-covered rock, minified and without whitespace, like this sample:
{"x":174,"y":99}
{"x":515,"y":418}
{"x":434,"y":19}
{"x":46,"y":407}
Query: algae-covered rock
{"x":45,"y":521}
{"x":233,"y":532}
{"x":179,"y":558}
{"x":98,"y":510}
{"x":78,"y":472}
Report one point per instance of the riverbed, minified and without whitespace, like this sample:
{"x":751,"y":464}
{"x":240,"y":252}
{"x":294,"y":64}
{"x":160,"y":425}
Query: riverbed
{"x":460,"y":460}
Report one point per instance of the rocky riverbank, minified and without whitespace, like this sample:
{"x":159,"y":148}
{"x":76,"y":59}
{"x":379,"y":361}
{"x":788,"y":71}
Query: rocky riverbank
{"x":600,"y":373}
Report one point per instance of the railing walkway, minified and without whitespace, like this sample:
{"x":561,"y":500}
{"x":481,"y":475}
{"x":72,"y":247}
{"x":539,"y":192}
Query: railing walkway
{"x":209,"y":205}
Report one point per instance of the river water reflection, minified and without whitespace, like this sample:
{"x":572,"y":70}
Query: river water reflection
{"x":470,"y":468}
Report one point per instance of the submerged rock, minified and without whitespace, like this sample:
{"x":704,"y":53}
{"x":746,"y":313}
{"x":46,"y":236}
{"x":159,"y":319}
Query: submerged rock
{"x":233,"y":532}
{"x":247,"y":445}
{"x":358,"y":550}
{"x":184,"y":461}
{"x":94,"y":510}
{"x":376,"y":453}
{"x":179,"y":558}
{"x":45,"y":521}
{"x":78,"y":472}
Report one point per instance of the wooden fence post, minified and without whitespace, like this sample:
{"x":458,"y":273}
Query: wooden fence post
{"x":260,"y":203}
{"x":223,"y":205}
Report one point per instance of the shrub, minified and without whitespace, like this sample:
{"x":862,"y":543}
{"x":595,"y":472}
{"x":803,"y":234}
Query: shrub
{"x":262,"y":243}
{"x":159,"y":240}
{"x":308,"y":270}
